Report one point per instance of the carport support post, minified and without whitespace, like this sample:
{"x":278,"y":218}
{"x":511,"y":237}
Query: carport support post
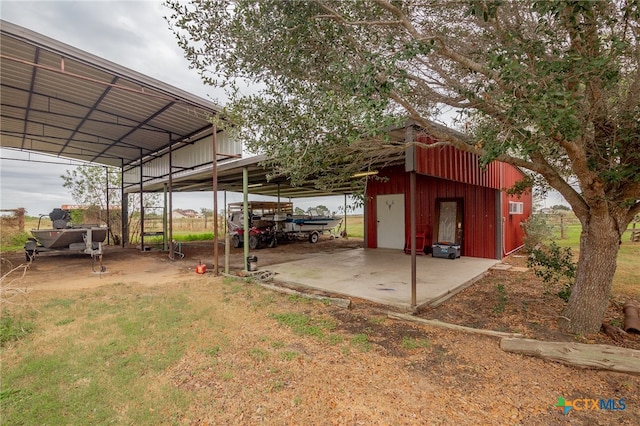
{"x":245,"y":215}
{"x":106,"y":170}
{"x":227,"y":241}
{"x":124,"y":205}
{"x":165,"y":229}
{"x":141,"y":204}
{"x":216,"y":237}
{"x":346,"y":235}
{"x":168,"y":208}
{"x":412,"y":213}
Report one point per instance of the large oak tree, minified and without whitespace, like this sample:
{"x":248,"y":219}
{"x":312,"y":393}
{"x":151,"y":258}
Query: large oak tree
{"x":548,"y":86}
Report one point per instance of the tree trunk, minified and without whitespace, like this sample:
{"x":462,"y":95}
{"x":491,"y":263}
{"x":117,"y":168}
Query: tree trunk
{"x":599,"y":244}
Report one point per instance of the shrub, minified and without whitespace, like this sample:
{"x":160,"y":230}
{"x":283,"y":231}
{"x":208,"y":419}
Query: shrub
{"x":536,"y":230}
{"x":555,"y":266}
{"x":13,"y":240}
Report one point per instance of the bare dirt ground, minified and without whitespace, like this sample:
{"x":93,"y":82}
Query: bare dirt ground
{"x":459,"y":378}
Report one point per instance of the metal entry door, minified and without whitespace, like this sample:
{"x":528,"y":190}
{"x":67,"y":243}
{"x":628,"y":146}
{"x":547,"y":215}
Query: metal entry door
{"x":390,"y":217}
{"x":449,"y":217}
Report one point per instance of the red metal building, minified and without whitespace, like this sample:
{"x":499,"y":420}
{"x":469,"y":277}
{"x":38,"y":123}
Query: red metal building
{"x":457,"y":201}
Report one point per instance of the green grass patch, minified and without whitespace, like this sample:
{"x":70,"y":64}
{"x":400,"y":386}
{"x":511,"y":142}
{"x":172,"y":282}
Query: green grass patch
{"x":355,"y":226}
{"x":277,"y":344}
{"x":289,"y":355}
{"x":64,"y":321}
{"x":200,"y":236}
{"x":299,"y":299}
{"x":303,"y":324}
{"x":60,"y":302}
{"x":627,"y":277}
{"x":335,"y":339}
{"x":377,"y":320}
{"x":105,"y":366}
{"x":410,"y":343}
{"x":258,"y":354}
{"x":13,"y":328}
{"x":361,"y":342}
{"x":501,"y":302}
{"x":212,"y":352}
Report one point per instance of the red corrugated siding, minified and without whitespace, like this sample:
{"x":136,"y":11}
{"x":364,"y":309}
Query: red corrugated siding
{"x":478,"y":203}
{"x":452,"y":164}
{"x":512,"y":223}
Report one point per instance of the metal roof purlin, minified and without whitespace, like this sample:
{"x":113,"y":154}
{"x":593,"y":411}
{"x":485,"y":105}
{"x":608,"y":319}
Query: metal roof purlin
{"x":28,"y":108}
{"x":140,"y":124}
{"x":89,"y":112}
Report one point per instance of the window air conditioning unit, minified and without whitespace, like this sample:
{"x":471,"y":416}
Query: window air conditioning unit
{"x":516,"y":207}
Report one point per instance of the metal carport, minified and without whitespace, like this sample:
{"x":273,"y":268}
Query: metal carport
{"x":62,"y":101}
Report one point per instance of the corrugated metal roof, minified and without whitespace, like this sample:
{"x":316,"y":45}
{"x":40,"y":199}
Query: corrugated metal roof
{"x":62,"y":101}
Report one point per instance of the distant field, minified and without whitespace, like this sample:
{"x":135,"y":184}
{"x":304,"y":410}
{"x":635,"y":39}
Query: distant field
{"x":184,"y":229}
{"x":627,"y":277}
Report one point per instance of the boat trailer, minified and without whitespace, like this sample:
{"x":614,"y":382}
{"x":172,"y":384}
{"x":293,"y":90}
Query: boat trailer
{"x":63,"y":236}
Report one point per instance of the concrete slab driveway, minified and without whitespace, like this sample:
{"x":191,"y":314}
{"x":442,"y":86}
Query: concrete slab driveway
{"x":382,"y":276}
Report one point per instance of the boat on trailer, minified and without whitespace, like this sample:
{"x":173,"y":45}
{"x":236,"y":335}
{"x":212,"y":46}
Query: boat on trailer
{"x":270,"y":222}
{"x":311,"y":225}
{"x":64,"y":236}
{"x":68,"y":238}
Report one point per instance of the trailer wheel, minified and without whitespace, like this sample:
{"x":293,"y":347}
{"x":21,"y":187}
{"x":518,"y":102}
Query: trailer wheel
{"x":235,"y":241}
{"x":254,"y":242}
{"x":30,"y":255}
{"x":313,"y":237}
